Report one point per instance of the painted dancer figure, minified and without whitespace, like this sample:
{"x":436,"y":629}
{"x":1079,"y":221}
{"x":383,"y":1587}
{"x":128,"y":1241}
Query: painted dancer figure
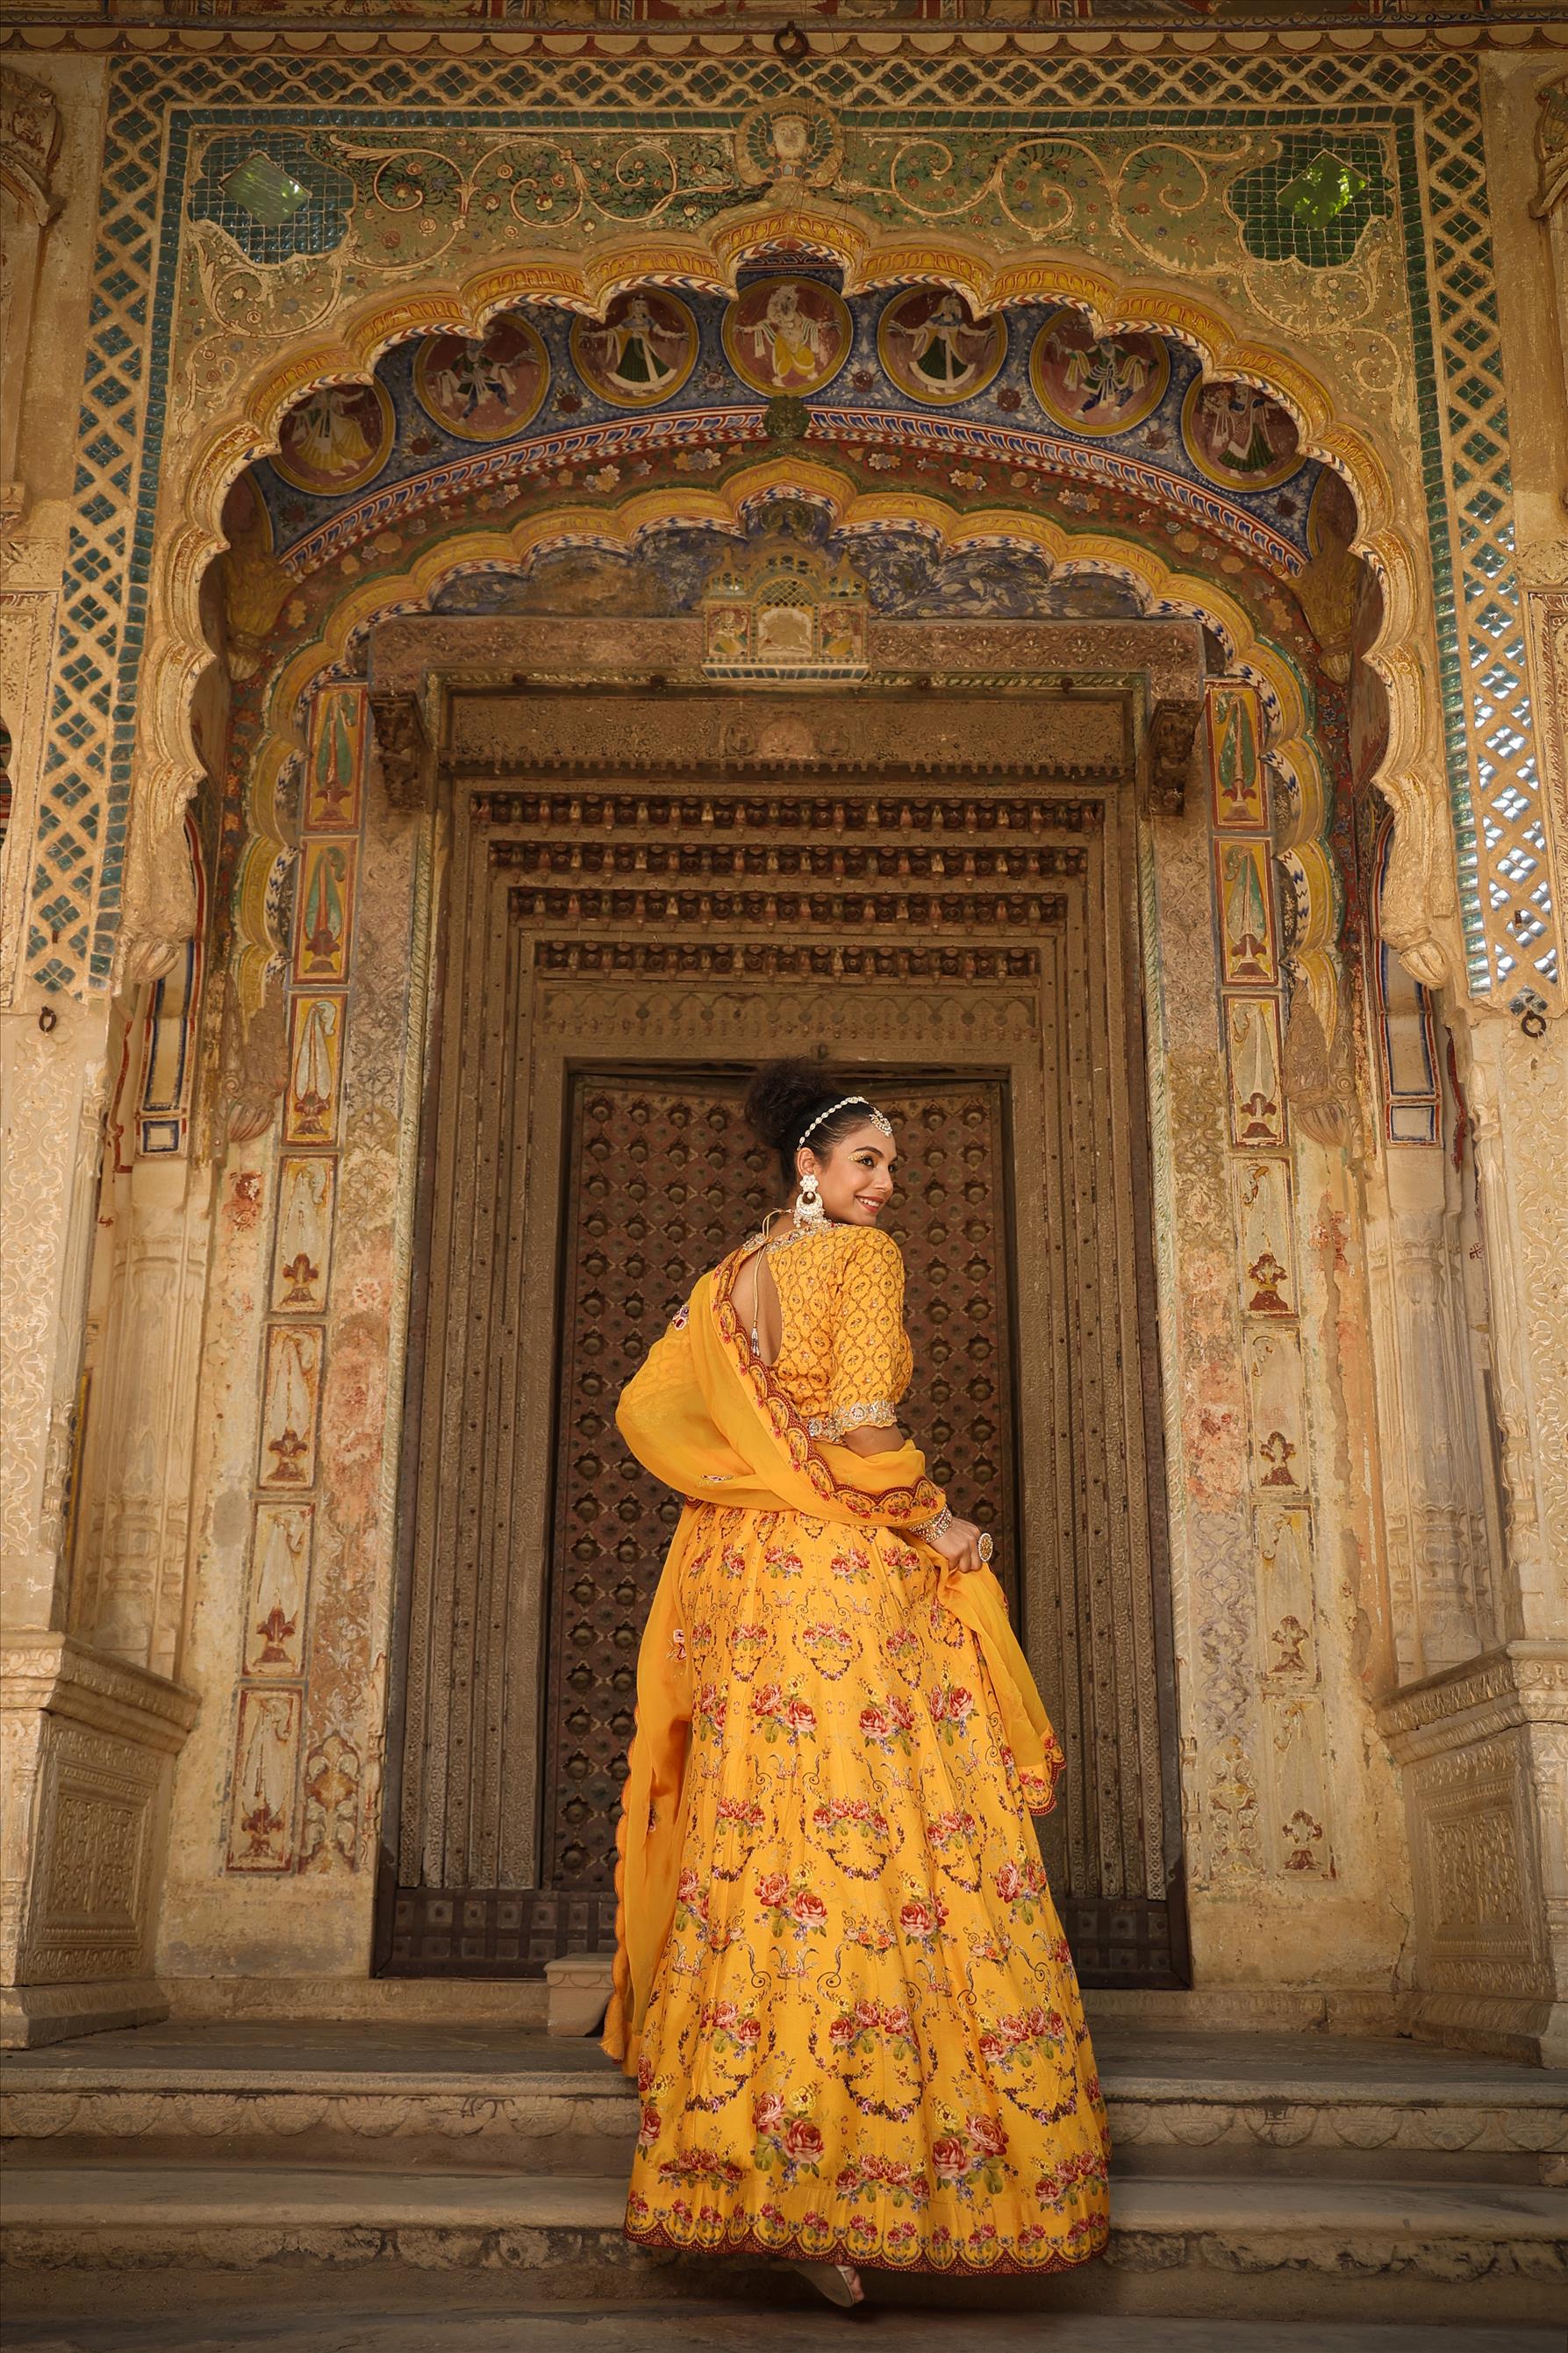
{"x":944,"y":348}
{"x":787,"y":341}
{"x":627,"y":347}
{"x":839,"y":1979}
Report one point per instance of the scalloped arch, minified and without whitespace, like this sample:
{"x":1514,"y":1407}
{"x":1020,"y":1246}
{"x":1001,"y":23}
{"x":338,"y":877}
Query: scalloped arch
{"x":576,"y":521}
{"x":157,"y":911}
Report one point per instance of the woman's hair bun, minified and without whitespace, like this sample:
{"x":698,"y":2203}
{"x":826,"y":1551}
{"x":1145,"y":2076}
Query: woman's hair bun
{"x":784,"y":1096}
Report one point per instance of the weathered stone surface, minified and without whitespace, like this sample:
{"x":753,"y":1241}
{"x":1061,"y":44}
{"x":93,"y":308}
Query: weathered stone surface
{"x":477,"y":2099}
{"x":1501,"y":2254}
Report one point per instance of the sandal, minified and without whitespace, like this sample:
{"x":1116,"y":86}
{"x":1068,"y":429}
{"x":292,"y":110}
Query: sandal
{"x":840,"y":2283}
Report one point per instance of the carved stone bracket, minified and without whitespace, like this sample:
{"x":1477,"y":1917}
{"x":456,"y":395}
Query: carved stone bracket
{"x":403,"y":745}
{"x":1173,"y":729}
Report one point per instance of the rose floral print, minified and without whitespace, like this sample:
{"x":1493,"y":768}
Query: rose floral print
{"x":864,"y":2041}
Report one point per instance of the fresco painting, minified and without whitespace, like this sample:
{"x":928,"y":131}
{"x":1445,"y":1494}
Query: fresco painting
{"x":933,"y":349}
{"x":643,"y":351}
{"x":483,"y":387}
{"x":787,"y":335}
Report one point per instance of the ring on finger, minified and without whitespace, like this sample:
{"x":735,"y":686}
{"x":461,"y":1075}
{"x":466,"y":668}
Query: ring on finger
{"x":984,"y":1546}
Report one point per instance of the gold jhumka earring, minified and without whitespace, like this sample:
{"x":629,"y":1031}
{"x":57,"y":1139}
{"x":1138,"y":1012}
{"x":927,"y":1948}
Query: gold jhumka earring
{"x":810,"y":1216}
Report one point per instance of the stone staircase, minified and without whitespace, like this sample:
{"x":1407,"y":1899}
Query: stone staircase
{"x":1280,"y":2176}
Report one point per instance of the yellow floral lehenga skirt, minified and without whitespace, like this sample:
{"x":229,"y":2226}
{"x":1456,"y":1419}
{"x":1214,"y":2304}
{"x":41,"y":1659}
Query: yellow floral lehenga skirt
{"x":865,"y":2038}
{"x":840,"y":1977}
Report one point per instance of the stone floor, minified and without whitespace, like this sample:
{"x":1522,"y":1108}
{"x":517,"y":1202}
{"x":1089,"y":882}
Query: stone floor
{"x":342,"y":2318}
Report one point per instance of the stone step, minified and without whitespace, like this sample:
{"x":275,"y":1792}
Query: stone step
{"x":1448,"y":2253}
{"x":463,"y":2099}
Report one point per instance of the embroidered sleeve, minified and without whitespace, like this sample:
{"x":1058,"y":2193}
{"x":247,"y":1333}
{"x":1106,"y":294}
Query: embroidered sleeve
{"x":871,"y":1360}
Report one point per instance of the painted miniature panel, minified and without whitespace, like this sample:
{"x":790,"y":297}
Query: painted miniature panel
{"x":334,"y":769}
{"x":324,"y":912}
{"x":312,"y":1100}
{"x":264,"y":1795}
{"x":1262,"y":1191}
{"x":1299,"y":1786}
{"x":291,"y":1406}
{"x":279,"y":1581}
{"x":1288,"y":1611}
{"x":1277,"y":1411}
{"x":1236,"y":763}
{"x":1244,"y":893}
{"x":301,"y":1259}
{"x":1253,"y":1063}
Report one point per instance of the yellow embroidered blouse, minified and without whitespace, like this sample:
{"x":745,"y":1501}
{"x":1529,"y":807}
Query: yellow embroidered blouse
{"x":845,"y":1359}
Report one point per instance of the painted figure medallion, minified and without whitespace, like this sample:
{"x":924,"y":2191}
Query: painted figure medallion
{"x":1096,"y":383}
{"x":787,"y":334}
{"x":641,"y":353}
{"x":933,"y":349}
{"x":483,"y":387}
{"x":337,"y":439}
{"x":1237,"y":438}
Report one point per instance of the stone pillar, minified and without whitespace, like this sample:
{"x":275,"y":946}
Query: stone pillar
{"x":128,"y":1589}
{"x":1483,"y":1742}
{"x":87,"y":1739}
{"x":1438,"y":1480}
{"x":1484,"y":1750}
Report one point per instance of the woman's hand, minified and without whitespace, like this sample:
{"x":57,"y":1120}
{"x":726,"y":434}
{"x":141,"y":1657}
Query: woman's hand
{"x":959,"y":1544}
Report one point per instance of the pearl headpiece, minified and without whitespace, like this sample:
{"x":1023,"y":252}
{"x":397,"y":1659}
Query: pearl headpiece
{"x":877,"y":1119}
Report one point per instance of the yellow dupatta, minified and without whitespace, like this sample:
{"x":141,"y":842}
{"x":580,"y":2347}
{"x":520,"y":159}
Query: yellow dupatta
{"x":703,"y":1415}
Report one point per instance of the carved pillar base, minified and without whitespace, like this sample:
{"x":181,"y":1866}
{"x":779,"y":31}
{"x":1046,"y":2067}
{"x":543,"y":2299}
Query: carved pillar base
{"x":87,"y":1746}
{"x":1483,"y":1750}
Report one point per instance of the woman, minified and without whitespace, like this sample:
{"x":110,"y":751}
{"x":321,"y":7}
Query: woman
{"x":839,"y":1981}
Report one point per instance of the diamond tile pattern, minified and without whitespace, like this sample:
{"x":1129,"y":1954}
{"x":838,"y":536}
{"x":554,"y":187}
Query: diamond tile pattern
{"x":1431,"y":101}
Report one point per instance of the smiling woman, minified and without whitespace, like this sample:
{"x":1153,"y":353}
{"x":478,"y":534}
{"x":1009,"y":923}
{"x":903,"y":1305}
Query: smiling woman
{"x":839,"y":1976}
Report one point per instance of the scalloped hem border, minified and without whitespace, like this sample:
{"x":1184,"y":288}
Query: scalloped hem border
{"x":839,"y":2250}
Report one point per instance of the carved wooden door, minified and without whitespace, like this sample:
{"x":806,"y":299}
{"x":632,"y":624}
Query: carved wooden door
{"x":662,"y":1178}
{"x":638,"y":904}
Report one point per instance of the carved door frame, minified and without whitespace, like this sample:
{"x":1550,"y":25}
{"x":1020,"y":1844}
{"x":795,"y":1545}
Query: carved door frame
{"x":568,"y":976}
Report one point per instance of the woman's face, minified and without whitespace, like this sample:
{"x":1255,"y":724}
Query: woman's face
{"x":856,"y":1175}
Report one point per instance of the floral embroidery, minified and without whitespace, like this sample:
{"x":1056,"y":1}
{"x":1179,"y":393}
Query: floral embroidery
{"x":792,"y":1906}
{"x":780,"y":1715}
{"x":881,"y":1413}
{"x":951,"y":1709}
{"x":786,"y":2138}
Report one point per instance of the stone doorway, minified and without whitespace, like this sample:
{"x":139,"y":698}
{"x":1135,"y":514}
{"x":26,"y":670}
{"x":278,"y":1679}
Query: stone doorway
{"x":649,"y":890}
